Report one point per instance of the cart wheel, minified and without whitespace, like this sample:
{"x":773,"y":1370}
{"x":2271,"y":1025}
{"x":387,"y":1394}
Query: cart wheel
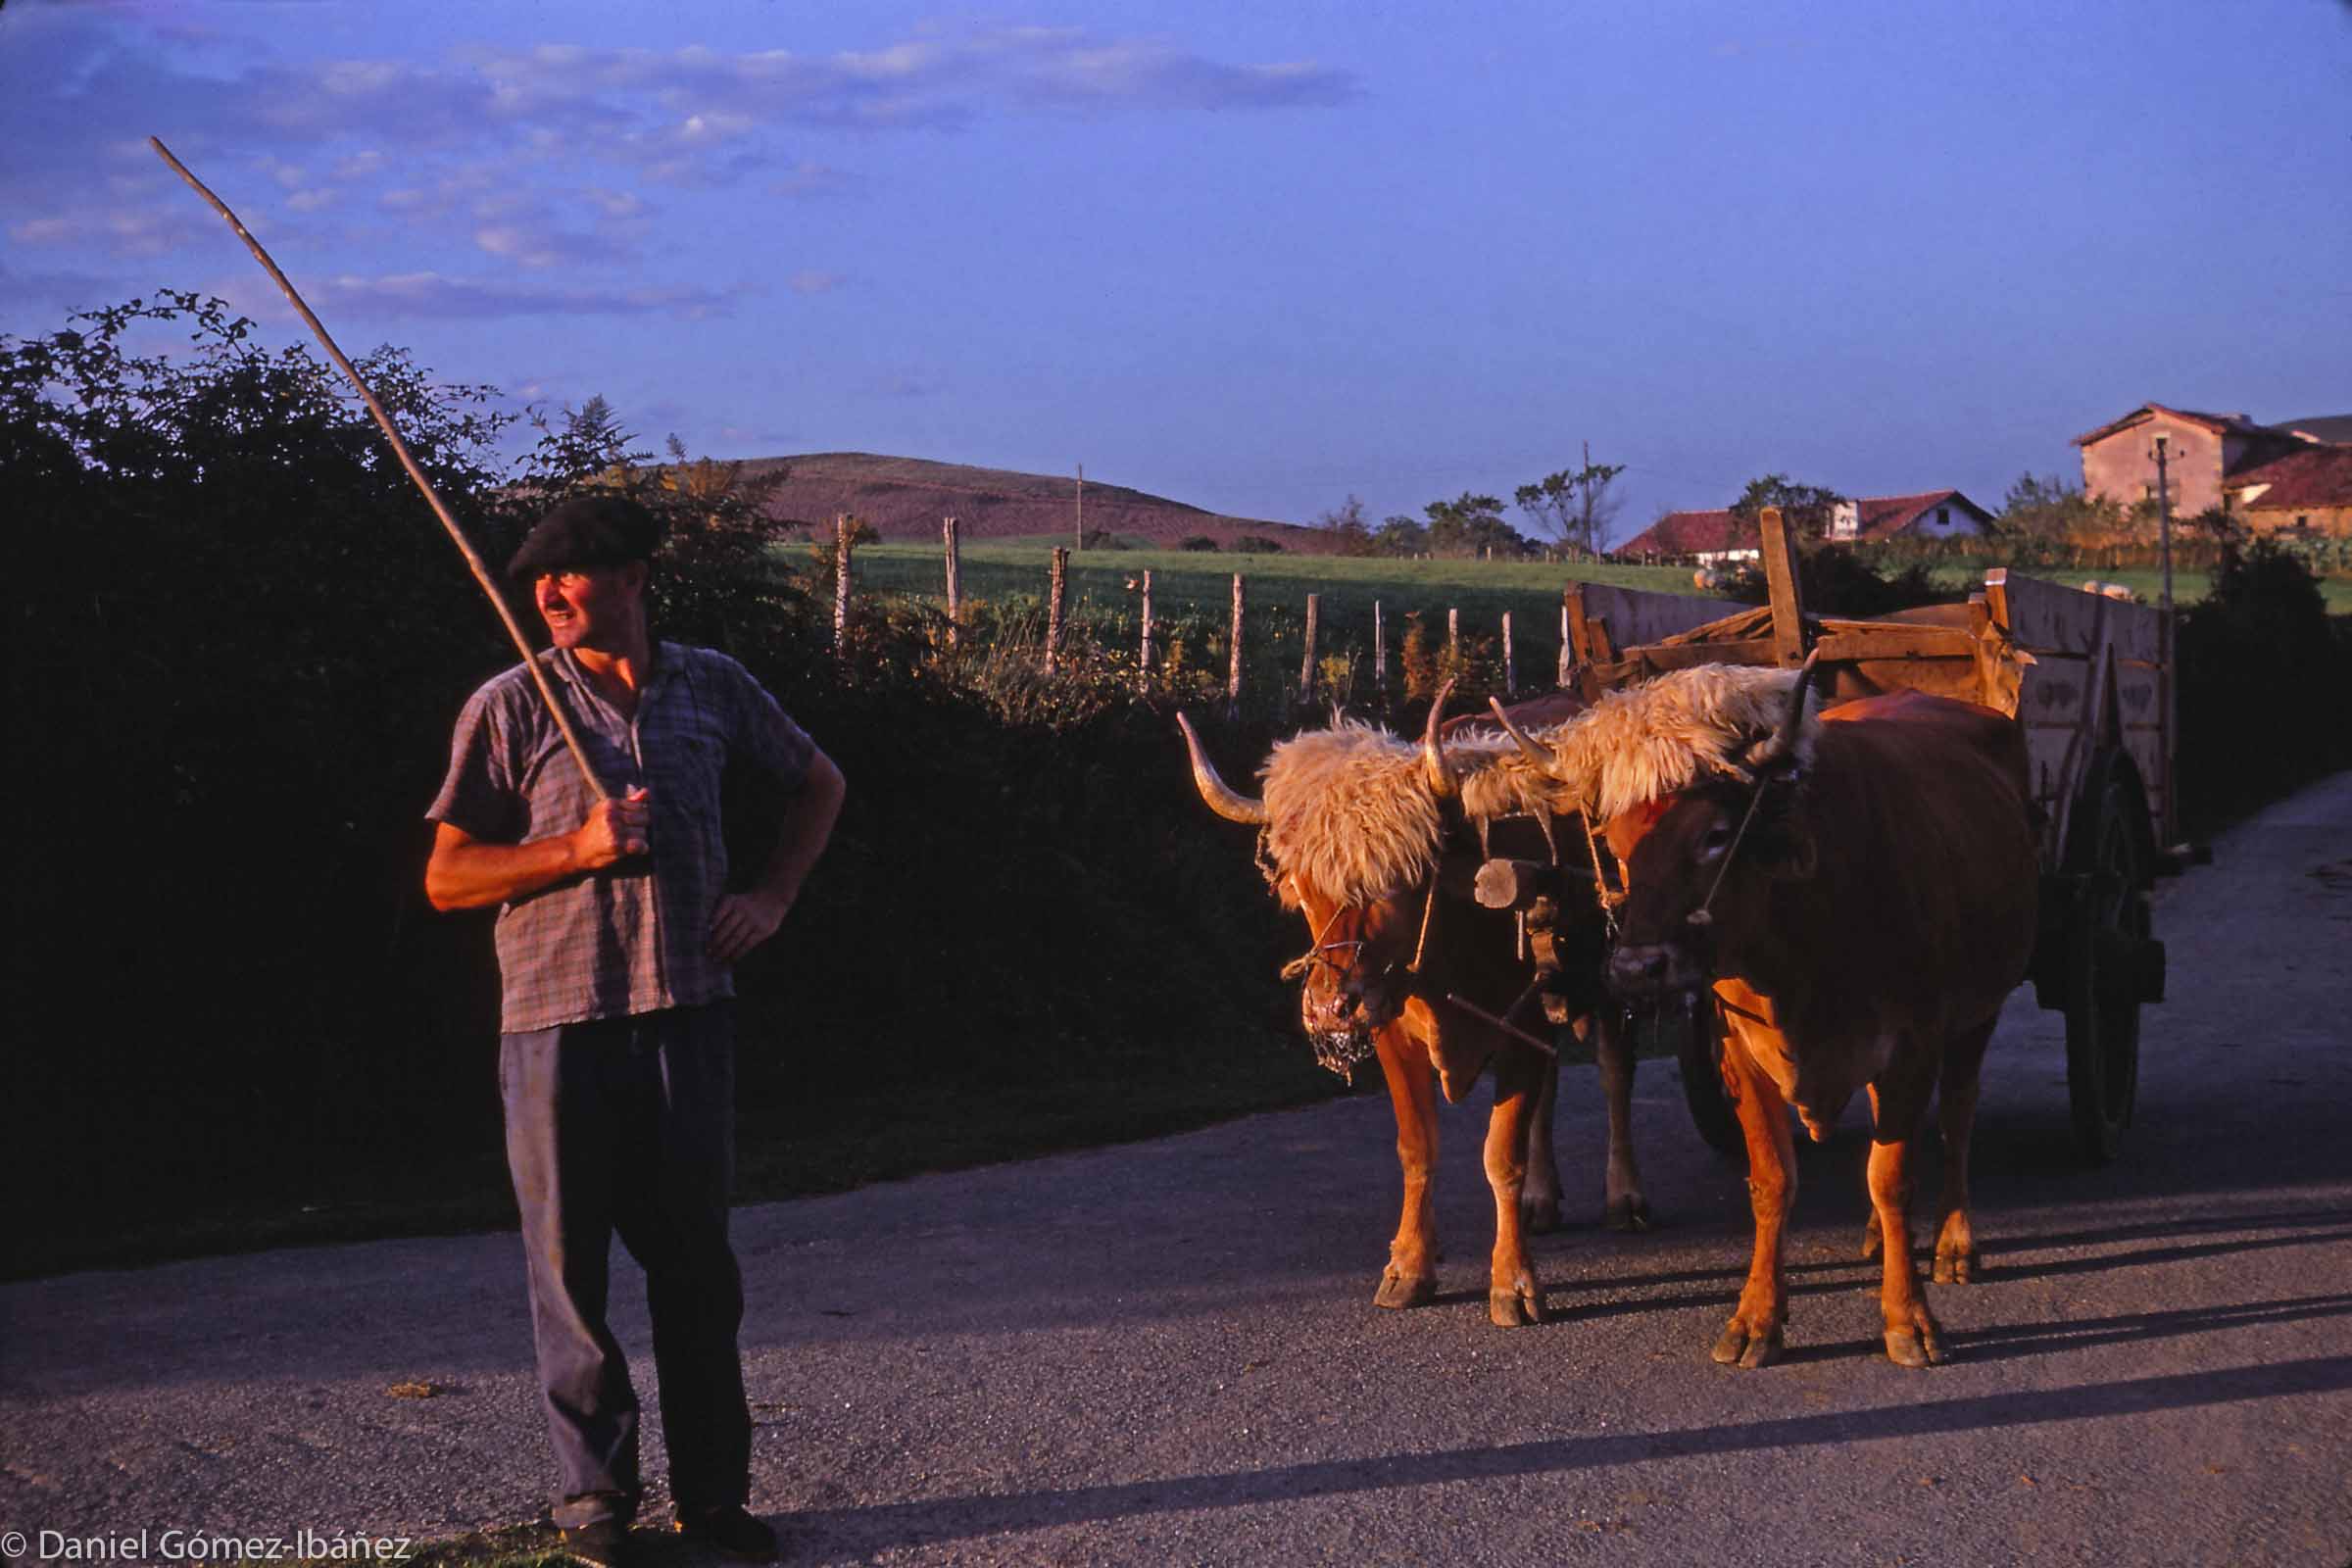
{"x":2107,"y":939}
{"x":1688,"y":1028}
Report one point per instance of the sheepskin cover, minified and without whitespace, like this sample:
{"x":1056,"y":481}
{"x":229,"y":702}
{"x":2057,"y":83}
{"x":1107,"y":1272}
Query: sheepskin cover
{"x":1648,"y":740}
{"x":1349,"y":811}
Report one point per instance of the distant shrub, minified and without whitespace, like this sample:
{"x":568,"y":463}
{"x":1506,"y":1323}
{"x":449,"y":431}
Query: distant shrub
{"x":1100,"y":539}
{"x":2258,"y":661}
{"x":1198,"y":541}
{"x":1836,"y":581}
{"x":1250,"y":544}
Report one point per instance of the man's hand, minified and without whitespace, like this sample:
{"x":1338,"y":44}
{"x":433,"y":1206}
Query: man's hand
{"x":743,"y":920}
{"x":615,"y":829}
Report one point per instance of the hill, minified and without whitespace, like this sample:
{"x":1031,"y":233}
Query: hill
{"x":904,"y":497}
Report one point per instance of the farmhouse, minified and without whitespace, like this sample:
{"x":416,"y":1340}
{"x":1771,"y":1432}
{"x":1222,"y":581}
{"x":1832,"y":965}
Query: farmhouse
{"x":2279,"y":475}
{"x":1716,"y":538}
{"x":2307,"y":491}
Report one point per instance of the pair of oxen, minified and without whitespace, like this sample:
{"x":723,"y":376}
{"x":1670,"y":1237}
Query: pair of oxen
{"x":1858,"y":886}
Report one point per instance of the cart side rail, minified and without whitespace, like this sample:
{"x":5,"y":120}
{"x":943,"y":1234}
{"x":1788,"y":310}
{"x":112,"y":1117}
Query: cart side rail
{"x":2094,"y":686}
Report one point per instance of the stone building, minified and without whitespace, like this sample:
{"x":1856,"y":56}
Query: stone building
{"x":2307,"y":491}
{"x":2211,"y":460}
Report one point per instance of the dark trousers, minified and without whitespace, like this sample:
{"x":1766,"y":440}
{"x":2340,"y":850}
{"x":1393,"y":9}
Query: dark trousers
{"x":628,"y":1125}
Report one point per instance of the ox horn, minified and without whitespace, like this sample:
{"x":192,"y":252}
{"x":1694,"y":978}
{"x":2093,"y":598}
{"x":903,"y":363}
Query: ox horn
{"x":1783,"y":741}
{"x":1539,"y":756}
{"x":1220,"y":797}
{"x":1441,"y":780}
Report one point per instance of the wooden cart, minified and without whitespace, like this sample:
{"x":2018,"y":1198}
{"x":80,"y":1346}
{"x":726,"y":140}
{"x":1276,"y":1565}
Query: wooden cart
{"x":2093,"y":695}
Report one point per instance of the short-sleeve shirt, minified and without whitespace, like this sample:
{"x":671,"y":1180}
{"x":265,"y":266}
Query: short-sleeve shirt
{"x":632,"y":936}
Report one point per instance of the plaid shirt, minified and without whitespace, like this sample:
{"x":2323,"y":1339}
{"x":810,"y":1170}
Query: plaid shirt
{"x":633,"y":937}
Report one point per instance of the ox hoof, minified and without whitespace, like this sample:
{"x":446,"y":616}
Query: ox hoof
{"x":1741,"y":1348}
{"x":1515,"y":1306}
{"x":1904,"y":1348}
{"x":1399,"y":1292}
{"x":1958,"y":1268}
{"x":1539,"y":1215}
{"x":1630,"y":1213}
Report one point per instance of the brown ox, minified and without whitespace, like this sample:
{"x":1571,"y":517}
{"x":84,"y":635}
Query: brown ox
{"x":1862,"y":892}
{"x":1356,"y":824}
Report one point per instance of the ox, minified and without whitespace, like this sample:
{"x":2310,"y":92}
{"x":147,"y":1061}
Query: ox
{"x":1355,"y":827}
{"x":1861,"y":887}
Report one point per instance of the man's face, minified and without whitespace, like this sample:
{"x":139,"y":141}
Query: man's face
{"x":591,"y":607}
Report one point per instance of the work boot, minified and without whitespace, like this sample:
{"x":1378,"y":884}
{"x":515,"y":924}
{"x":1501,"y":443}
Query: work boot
{"x":731,"y":1532}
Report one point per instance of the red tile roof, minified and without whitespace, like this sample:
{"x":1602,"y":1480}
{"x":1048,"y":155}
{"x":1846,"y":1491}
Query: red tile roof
{"x":2211,"y":421}
{"x":1885,"y":517}
{"x":1692,"y":533}
{"x":2316,"y":476}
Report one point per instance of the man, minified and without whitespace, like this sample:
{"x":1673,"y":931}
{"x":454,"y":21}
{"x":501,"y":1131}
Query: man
{"x":616,"y":943}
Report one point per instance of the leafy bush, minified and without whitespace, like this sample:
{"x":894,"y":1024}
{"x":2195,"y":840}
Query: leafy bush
{"x":1198,"y":541}
{"x":2264,"y":674}
{"x":1251,"y":544}
{"x":1836,"y":581}
{"x":242,"y":640}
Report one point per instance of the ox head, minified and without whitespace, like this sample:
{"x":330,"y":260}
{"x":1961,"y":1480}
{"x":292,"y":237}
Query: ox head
{"x":1356,"y":825}
{"x":1695,"y":776}
{"x":1698,"y":863}
{"x":1353,"y":824}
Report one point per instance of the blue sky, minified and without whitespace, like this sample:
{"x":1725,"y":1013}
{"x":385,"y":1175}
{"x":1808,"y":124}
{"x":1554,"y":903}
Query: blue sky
{"x":1260,"y":257}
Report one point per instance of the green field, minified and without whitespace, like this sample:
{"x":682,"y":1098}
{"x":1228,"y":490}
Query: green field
{"x":1192,"y":597}
{"x":1011,"y":575}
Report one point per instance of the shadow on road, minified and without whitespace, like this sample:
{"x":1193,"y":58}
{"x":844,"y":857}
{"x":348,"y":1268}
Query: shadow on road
{"x":863,"y":1531}
{"x":1845,"y":1275}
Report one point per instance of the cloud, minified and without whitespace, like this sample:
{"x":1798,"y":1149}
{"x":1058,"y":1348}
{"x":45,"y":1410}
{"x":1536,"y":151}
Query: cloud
{"x":52,"y":295}
{"x":439,"y":296}
{"x":1065,"y":67}
{"x":540,"y":159}
{"x":123,"y":231}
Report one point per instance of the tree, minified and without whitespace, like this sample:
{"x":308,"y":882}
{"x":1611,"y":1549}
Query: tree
{"x":1401,"y":535}
{"x":1574,"y":505}
{"x":1351,"y":533}
{"x":2055,"y":512}
{"x":1804,"y":508}
{"x":1471,"y":524}
{"x":716,"y":522}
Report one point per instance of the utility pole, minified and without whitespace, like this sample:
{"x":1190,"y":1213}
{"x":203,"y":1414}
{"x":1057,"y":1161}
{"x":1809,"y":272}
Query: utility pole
{"x":2163,"y":630}
{"x":1082,"y":506}
{"x":1584,"y":485}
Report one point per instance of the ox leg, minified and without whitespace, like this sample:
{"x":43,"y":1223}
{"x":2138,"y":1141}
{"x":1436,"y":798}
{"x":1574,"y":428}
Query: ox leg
{"x":1956,"y":1261}
{"x":1628,"y":1209}
{"x":1513,"y":1297}
{"x":1898,"y":1103}
{"x":1753,"y":1336}
{"x":1540,"y":1194}
{"x":1411,"y":1277}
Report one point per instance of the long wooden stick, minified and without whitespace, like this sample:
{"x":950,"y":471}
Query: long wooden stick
{"x":400,"y":450}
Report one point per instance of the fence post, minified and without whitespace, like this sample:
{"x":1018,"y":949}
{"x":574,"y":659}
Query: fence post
{"x":1453,"y":642}
{"x":1567,"y":646}
{"x":1233,"y":674}
{"x":1380,"y":653}
{"x":844,"y":526}
{"x":951,"y":536}
{"x":1307,"y":666}
{"x":1144,"y":658}
{"x":1057,"y":587}
{"x":1510,"y":660}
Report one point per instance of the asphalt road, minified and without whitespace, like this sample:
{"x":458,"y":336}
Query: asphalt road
{"x":1167,"y":1352}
